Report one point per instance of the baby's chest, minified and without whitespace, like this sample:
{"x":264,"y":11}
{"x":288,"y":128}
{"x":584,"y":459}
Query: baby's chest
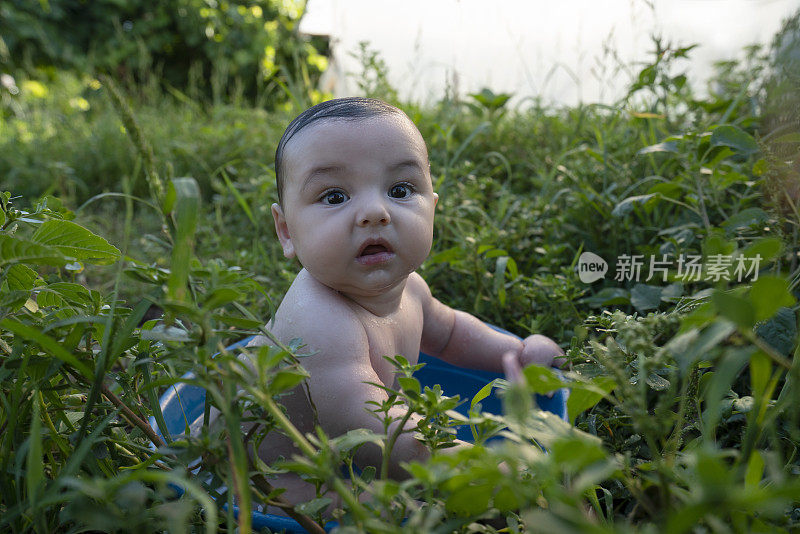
{"x":402,"y":337}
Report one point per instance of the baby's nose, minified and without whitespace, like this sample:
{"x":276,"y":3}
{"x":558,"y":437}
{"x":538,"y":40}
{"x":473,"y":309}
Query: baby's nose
{"x":374,"y":213}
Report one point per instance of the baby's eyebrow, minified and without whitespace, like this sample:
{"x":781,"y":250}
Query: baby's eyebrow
{"x":321,"y":171}
{"x":405,"y":163}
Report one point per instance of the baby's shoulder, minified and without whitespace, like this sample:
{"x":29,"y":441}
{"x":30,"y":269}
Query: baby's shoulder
{"x":417,"y":289}
{"x":314,"y":313}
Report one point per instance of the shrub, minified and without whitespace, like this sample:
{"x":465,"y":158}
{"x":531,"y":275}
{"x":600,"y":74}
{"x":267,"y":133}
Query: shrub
{"x":246,"y":46}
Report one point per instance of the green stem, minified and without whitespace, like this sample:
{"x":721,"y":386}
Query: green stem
{"x":62,"y":446}
{"x":308,"y":450}
{"x":269,"y":335}
{"x":390,"y":445}
{"x":767,"y":349}
{"x":674,"y":441}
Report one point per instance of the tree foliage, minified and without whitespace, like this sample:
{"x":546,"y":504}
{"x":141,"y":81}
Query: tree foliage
{"x":254,"y":43}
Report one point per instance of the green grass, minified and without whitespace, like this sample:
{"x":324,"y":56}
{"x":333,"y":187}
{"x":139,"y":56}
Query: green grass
{"x":684,"y":395}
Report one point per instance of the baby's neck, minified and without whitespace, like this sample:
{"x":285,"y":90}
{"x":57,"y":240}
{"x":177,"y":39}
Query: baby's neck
{"x":381,"y":304}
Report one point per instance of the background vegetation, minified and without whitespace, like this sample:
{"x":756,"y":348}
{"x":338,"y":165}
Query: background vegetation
{"x":685,"y":393}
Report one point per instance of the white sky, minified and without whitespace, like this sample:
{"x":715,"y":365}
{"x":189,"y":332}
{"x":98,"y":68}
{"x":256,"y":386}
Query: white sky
{"x":547,"y":48}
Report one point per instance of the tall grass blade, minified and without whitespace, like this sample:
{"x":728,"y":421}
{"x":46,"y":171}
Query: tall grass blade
{"x":34,"y":468}
{"x":240,"y":200}
{"x":137,"y":137}
{"x":185,"y":214}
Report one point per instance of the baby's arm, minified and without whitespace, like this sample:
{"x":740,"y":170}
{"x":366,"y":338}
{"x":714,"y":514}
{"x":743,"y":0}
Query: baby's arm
{"x":464,"y":340}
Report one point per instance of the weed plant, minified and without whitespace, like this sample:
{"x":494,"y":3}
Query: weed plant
{"x":683,"y":407}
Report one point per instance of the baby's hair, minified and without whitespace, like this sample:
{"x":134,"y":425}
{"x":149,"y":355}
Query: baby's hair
{"x":350,"y":108}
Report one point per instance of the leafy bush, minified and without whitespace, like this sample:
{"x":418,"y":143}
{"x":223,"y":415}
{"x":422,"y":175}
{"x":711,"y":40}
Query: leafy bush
{"x":781,"y":121}
{"x":681,"y":440}
{"x":252,"y":44}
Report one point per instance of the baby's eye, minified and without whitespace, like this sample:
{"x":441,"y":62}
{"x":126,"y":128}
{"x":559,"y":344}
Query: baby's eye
{"x":400,"y":190}
{"x":334,"y":197}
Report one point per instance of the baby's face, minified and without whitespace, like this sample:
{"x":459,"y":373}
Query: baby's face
{"x":358,"y":203}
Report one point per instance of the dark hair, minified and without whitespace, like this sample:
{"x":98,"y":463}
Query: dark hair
{"x":350,"y":108}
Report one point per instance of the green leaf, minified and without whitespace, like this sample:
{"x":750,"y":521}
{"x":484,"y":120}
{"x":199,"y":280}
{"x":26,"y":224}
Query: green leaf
{"x":755,"y":470}
{"x":734,"y":307}
{"x":760,"y":167}
{"x":446,"y":256}
{"x":285,"y":380}
{"x":735,"y":138}
{"x":760,"y":371}
{"x":123,"y":337}
{"x":609,"y":296}
{"x":727,"y":369}
{"x":169,"y":201}
{"x":780,"y":331}
{"x":484,"y":392}
{"x":16,"y":250}
{"x":767,"y":247}
{"x":575,"y":453}
{"x":541,"y":379}
{"x":666,"y":189}
{"x":60,"y":294}
{"x":15,"y":300}
{"x":667,"y":146}
{"x":717,"y":244}
{"x":745,"y":218}
{"x":495,"y":252}
{"x":711,"y":470}
{"x":48,"y":344}
{"x":505,"y":500}
{"x":657,"y":382}
{"x":627,"y":205}
{"x":240,"y":199}
{"x":75,"y":241}
{"x":583,"y":396}
{"x":166,"y":333}
{"x":513,"y":271}
{"x":185,"y":214}
{"x":21,"y":278}
{"x":469,"y":500}
{"x":34,"y":467}
{"x":768,"y":294}
{"x":356,"y":438}
{"x":314,"y":506}
{"x":221,"y":296}
{"x":792,"y":137}
{"x":409,"y":384}
{"x":688,"y":347}
{"x":268,"y":356}
{"x":500,"y":279}
{"x":672,"y":292}
{"x":489,"y":100}
{"x":645,"y":297}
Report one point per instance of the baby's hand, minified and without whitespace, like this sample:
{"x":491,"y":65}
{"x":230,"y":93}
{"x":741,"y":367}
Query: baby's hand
{"x":541,"y":350}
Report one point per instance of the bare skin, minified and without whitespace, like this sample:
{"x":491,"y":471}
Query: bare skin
{"x":358,"y":213}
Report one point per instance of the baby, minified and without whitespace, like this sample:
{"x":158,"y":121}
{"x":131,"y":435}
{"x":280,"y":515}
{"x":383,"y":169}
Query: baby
{"x":355,"y":207}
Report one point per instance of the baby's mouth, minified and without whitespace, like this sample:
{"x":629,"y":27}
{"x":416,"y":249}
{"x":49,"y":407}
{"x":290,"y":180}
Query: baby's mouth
{"x":374,"y":251}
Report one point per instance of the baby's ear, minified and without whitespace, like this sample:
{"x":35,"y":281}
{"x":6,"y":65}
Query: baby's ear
{"x":435,"y":199}
{"x":283,"y":231}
